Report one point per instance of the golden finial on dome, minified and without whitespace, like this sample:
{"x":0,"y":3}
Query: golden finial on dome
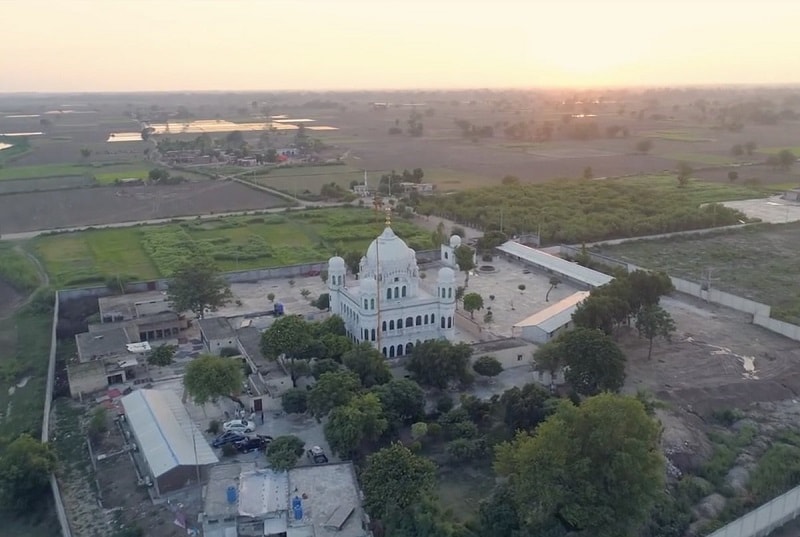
{"x":388,"y":216}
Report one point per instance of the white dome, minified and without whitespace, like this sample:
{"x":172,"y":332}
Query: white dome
{"x":368,"y":286}
{"x":392,"y":250}
{"x":446,"y":275}
{"x":455,"y":241}
{"x":336,"y":263}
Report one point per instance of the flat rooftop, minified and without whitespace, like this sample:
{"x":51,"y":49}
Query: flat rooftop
{"x":499,"y":345}
{"x":216,"y":328}
{"x":330,"y":491}
{"x":108,"y":343}
{"x":220,"y":477}
{"x":262,"y":492}
{"x":554,"y":264}
{"x":555,"y":316}
{"x":126,"y":305}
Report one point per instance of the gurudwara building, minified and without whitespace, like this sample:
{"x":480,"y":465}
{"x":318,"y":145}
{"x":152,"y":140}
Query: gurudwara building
{"x":386,"y":306}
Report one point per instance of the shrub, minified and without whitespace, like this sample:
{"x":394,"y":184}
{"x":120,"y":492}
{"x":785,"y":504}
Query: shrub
{"x":214,"y":426}
{"x":97,"y":423}
{"x":521,"y":287}
{"x":444,"y":404}
{"x":227,"y":352}
{"x":295,"y":401}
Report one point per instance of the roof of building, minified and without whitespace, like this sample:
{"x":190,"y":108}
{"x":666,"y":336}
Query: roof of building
{"x":329,"y":494}
{"x":262,"y":492}
{"x":216,"y":328}
{"x":153,"y":307}
{"x":125,"y":305}
{"x":167,"y":436}
{"x":250,"y":341}
{"x":156,"y":318}
{"x":220,"y":477}
{"x":496,"y":345}
{"x":86,"y":369}
{"x":555,"y":264}
{"x":102,"y":344}
{"x":554,"y":317}
{"x":390,"y":248}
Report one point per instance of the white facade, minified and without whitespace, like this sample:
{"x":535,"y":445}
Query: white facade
{"x":387,"y":306}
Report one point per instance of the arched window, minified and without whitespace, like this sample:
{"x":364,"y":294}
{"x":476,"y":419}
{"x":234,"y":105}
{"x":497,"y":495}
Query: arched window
{"x":372,"y":303}
{"x":391,"y":351}
{"x":409,"y":348}
{"x":384,"y":329}
{"x":425,"y":319}
{"x":396,"y":292}
{"x":389,"y":293}
{"x":366,"y":304}
{"x":391,"y":325}
{"x":404,"y":291}
{"x":445,"y":254}
{"x":449,"y":322}
{"x":449,"y":292}
{"x":442,"y":322}
{"x":399,"y":350}
{"x":419,"y":320}
{"x":373,"y":334}
{"x":384,"y":351}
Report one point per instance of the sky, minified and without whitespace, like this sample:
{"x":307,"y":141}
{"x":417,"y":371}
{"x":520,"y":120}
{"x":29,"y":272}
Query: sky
{"x":241,"y":45}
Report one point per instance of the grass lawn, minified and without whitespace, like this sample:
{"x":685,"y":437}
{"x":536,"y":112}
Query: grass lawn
{"x":236,"y":243}
{"x":701,"y":158}
{"x":776,"y":150}
{"x":677,"y":135}
{"x":757,"y":262}
{"x":310,"y":179}
{"x":104,"y":174}
{"x":446,"y":179}
{"x":461,"y":489}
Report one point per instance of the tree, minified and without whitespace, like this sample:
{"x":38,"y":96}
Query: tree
{"x":473,"y":302}
{"x":323,"y":301}
{"x":554,"y":282}
{"x":161,"y":355}
{"x":295,"y":401}
{"x":394,"y":479}
{"x":25,"y":468}
{"x":460,"y":293}
{"x":737,"y":150}
{"x":750,"y":147}
{"x":684,"y":174}
{"x":465,"y":259}
{"x":360,"y":420}
{"x":733,"y":175}
{"x":197,"y":286}
{"x":336,"y":346}
{"x":436,"y":363}
{"x":333,"y":389}
{"x":333,"y":325}
{"x":158,"y":176}
{"x":497,"y":515}
{"x":565,"y":472}
{"x":644,"y":146}
{"x":594,"y":362}
{"x":210,"y":377}
{"x":549,"y":358}
{"x":326,"y":365}
{"x":487,"y":366}
{"x":588,"y":173}
{"x":369,"y":364}
{"x":403,"y":401}
{"x":86,"y":153}
{"x":785,"y":159}
{"x":353,"y":261}
{"x":283,"y":452}
{"x":290,"y":335}
{"x":271,"y":297}
{"x":653,"y":321}
{"x":524,"y":408}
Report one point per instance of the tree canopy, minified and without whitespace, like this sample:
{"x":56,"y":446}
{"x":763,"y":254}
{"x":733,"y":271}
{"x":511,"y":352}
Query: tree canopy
{"x":472,"y":303}
{"x":25,"y":468}
{"x":333,"y":389}
{"x":597,"y":466}
{"x":210,"y":377}
{"x":360,"y":420}
{"x":283,"y":452}
{"x":594,"y":362}
{"x":394,"y":479}
{"x":290,"y":335}
{"x":465,"y":259}
{"x":652,"y":322}
{"x":369,"y":364}
{"x":524,"y":408}
{"x":196,"y":286}
{"x":161,"y":355}
{"x":487,"y":366}
{"x":403,"y":400}
{"x":436,"y":363}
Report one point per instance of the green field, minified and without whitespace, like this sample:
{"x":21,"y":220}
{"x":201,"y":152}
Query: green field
{"x":776,"y":150}
{"x":758,"y":262}
{"x":309,"y":179}
{"x":677,"y":135}
{"x":701,"y":158}
{"x":447,"y":180}
{"x":103,"y":174}
{"x":574,"y":211}
{"x":235,"y":243}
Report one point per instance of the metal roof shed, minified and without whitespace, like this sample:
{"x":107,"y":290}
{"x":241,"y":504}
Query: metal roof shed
{"x":173,"y":448}
{"x":552,"y":264}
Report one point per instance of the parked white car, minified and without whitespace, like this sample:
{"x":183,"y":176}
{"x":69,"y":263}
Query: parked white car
{"x":242,"y":426}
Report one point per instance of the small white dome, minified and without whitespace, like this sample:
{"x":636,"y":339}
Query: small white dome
{"x":446,"y":275}
{"x":455,"y":241}
{"x":368,"y":286}
{"x":336,"y":263}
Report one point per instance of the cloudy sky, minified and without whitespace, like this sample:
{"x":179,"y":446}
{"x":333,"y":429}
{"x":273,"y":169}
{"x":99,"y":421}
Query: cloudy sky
{"x":131,"y":45}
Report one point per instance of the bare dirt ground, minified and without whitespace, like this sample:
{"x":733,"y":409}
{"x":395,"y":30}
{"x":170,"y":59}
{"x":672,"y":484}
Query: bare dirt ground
{"x":92,"y":206}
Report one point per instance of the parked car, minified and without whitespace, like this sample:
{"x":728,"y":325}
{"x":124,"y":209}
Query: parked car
{"x":317,"y":454}
{"x":253,"y":443}
{"x":242,"y":426}
{"x":227,"y":438}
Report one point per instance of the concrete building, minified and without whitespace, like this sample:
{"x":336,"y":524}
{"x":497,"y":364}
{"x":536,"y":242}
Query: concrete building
{"x":447,"y":253}
{"x":387,"y":306}
{"x":548,"y":323}
{"x":308,"y":501}
{"x":551,"y":264}
{"x":171,"y":449}
{"x":216,"y":334}
{"x":146,"y":316}
{"x":512,"y":352}
{"x":792,"y":195}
